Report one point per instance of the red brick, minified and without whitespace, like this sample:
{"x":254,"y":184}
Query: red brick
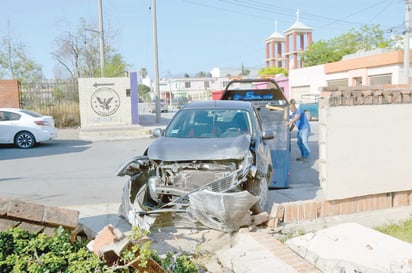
{"x":324,"y":209}
{"x":301,"y":211}
{"x":343,"y":206}
{"x":4,"y":206}
{"x":307,"y":211}
{"x":288,"y":213}
{"x":27,"y":211}
{"x":32,"y":228}
{"x":280,"y":213}
{"x":294,"y":212}
{"x":6,"y":224}
{"x":108,"y":235}
{"x":9,"y":93}
{"x":400,"y":199}
{"x":61,"y":217}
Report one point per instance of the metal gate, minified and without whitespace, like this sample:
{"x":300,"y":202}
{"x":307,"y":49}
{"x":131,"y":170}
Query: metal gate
{"x":57,"y":98}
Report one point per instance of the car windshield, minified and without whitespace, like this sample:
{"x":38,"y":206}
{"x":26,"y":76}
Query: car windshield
{"x":201,"y":123}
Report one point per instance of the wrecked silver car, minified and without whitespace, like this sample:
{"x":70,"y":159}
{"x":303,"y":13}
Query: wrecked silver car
{"x":212,"y":163}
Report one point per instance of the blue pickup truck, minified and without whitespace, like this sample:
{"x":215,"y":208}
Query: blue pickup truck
{"x":309,"y":103}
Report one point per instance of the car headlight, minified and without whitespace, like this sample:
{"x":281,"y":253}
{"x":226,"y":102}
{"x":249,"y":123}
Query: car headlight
{"x":151,"y":185}
{"x":247,"y":165}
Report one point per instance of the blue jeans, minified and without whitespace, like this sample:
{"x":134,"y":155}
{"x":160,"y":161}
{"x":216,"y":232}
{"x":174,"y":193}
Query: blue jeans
{"x":303,"y":142}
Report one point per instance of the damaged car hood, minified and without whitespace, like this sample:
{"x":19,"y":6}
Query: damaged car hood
{"x":174,"y":149}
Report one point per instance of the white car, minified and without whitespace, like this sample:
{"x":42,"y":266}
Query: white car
{"x":25,"y":128}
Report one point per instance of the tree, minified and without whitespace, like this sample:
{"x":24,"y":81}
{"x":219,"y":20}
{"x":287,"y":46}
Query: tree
{"x":143,"y":72}
{"x":15,"y":64}
{"x":201,"y":74}
{"x":144,"y":92}
{"x":366,"y":38}
{"x":78,"y":53}
{"x":244,"y":72}
{"x":272,"y":71}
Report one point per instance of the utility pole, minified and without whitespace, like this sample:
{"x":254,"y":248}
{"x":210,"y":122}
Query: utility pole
{"x":101,"y":36}
{"x":406,"y":61}
{"x":156,"y":62}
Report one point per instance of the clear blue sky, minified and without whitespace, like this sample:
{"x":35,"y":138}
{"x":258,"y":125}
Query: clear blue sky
{"x":193,"y":35}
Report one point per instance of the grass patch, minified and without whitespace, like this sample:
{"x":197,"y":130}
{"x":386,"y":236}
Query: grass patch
{"x":402,"y":231}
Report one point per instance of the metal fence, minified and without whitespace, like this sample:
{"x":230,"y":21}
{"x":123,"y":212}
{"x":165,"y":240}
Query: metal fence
{"x":57,"y":98}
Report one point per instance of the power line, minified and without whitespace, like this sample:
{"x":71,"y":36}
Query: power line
{"x":274,"y":11}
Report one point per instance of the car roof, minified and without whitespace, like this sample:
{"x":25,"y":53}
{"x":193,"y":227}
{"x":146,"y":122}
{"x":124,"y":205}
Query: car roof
{"x":228,"y":104}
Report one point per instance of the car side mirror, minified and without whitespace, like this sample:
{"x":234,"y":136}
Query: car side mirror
{"x":157,"y":132}
{"x":268,"y":134}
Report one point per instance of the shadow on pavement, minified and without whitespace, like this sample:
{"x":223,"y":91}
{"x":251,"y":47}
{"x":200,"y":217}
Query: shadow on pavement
{"x":303,"y":180}
{"x":44,"y":149}
{"x":150,"y":120}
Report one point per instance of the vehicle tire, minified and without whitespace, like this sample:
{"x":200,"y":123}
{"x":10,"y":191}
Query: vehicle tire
{"x":308,"y":115}
{"x":259,"y":188}
{"x":24,"y":140}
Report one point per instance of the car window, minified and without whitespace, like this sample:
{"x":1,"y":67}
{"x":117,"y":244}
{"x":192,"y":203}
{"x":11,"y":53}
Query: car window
{"x":203,"y":123}
{"x":31,"y":113}
{"x":5,"y":116}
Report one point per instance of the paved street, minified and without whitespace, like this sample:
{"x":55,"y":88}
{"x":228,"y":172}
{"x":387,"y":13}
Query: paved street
{"x":66,"y":172}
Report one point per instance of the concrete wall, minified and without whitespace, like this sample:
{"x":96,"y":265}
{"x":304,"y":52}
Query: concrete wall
{"x":364,"y":141}
{"x":9,"y":93}
{"x":104,"y":101}
{"x":311,"y":77}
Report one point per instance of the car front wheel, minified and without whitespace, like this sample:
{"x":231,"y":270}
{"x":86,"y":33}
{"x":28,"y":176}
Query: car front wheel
{"x":259,"y":188}
{"x":24,"y":140}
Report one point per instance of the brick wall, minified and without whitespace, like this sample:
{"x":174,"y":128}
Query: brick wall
{"x":292,"y":212}
{"x":364,"y":153}
{"x":9,"y":93}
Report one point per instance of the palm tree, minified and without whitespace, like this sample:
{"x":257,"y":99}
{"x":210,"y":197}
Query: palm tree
{"x":143,"y":72}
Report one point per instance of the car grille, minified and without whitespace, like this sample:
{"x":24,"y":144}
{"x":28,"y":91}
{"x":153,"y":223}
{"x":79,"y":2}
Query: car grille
{"x":219,"y":185}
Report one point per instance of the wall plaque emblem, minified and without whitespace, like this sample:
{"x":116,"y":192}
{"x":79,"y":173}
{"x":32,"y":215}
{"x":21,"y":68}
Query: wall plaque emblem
{"x":105,"y":101}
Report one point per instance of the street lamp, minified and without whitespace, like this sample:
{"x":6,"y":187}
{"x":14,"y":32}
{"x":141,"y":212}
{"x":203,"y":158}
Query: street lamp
{"x":101,"y":37}
{"x":156,"y":62}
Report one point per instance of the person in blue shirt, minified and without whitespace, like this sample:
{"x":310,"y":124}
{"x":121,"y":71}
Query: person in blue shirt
{"x":298,"y":119}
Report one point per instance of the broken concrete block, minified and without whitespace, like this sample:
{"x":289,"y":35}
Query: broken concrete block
{"x":352,"y":247}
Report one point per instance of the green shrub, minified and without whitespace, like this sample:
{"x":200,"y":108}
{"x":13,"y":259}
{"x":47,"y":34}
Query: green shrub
{"x":24,"y":252}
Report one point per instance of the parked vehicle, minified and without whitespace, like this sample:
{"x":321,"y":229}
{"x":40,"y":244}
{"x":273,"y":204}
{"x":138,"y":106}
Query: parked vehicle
{"x":266,"y":95}
{"x":212,"y":162}
{"x":25,"y":128}
{"x":309,"y":103}
{"x":179,"y":102}
{"x":163,"y":106}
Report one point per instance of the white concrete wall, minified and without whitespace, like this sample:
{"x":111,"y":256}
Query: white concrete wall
{"x":103,"y":101}
{"x":313,"y":76}
{"x":364,"y":149}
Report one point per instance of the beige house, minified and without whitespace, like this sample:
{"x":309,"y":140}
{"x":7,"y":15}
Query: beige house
{"x":372,"y":68}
